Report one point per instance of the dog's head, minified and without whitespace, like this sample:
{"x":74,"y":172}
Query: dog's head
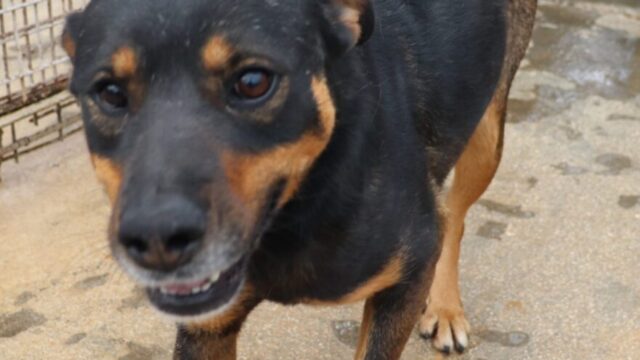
{"x":203,"y":118}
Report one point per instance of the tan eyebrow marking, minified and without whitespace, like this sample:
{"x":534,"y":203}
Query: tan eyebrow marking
{"x":124,"y":62}
{"x":216,"y":53}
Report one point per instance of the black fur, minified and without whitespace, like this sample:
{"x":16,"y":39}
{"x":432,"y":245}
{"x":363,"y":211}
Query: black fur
{"x":408,"y":98}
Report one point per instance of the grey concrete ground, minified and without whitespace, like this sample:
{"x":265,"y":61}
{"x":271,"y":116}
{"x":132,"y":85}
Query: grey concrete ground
{"x":550,"y":266}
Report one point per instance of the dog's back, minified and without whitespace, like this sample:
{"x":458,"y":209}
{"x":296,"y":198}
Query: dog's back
{"x":437,"y":62}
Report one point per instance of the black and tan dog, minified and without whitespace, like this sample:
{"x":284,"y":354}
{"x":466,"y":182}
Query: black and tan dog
{"x":294,"y":151}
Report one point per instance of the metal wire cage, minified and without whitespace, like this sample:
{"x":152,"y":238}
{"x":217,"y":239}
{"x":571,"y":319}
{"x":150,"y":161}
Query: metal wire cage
{"x":34,"y":68}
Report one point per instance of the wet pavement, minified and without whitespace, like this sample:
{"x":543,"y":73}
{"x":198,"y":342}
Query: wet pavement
{"x":549,"y":268}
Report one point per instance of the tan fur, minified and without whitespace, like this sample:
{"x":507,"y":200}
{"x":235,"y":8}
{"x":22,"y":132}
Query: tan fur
{"x":69,"y":45}
{"x":365,"y":331}
{"x":354,"y":4}
{"x":216,"y":53}
{"x":218,"y":337}
{"x":124,"y":62}
{"x":350,"y":17}
{"x":386,"y":329}
{"x":350,"y":13}
{"x":236,"y":311}
{"x":126,"y":66}
{"x":109,"y":174}
{"x":390,"y":275}
{"x":250,"y":176}
{"x":473,"y":174}
{"x":211,"y":347}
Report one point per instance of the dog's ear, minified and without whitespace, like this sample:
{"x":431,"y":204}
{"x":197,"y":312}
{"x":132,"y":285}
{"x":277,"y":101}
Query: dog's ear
{"x":71,"y":33}
{"x":347,"y":23}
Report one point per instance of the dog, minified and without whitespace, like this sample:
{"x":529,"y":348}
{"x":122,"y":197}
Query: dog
{"x":296,"y":151}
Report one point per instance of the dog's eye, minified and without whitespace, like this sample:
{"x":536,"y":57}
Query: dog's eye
{"x":253,"y":84}
{"x":111,"y":96}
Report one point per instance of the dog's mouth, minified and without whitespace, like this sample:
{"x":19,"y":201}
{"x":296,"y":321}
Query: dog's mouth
{"x":211,"y":295}
{"x":200,"y":297}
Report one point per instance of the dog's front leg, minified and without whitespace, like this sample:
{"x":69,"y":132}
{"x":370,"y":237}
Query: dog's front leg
{"x":389,"y":318}
{"x":215,"y":339}
{"x":199,"y":344}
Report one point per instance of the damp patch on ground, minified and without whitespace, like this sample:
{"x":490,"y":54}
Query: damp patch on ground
{"x":18,"y":322}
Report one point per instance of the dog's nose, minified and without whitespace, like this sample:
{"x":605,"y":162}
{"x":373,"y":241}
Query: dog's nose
{"x":162,"y":234}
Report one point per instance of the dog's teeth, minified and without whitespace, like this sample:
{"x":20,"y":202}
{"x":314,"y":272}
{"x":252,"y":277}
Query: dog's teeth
{"x":214,"y":277}
{"x":196,"y":290}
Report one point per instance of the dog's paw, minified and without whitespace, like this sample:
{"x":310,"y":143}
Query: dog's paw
{"x":446,"y":326}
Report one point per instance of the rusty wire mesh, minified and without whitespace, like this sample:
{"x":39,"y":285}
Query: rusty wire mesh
{"x":34,"y":68}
